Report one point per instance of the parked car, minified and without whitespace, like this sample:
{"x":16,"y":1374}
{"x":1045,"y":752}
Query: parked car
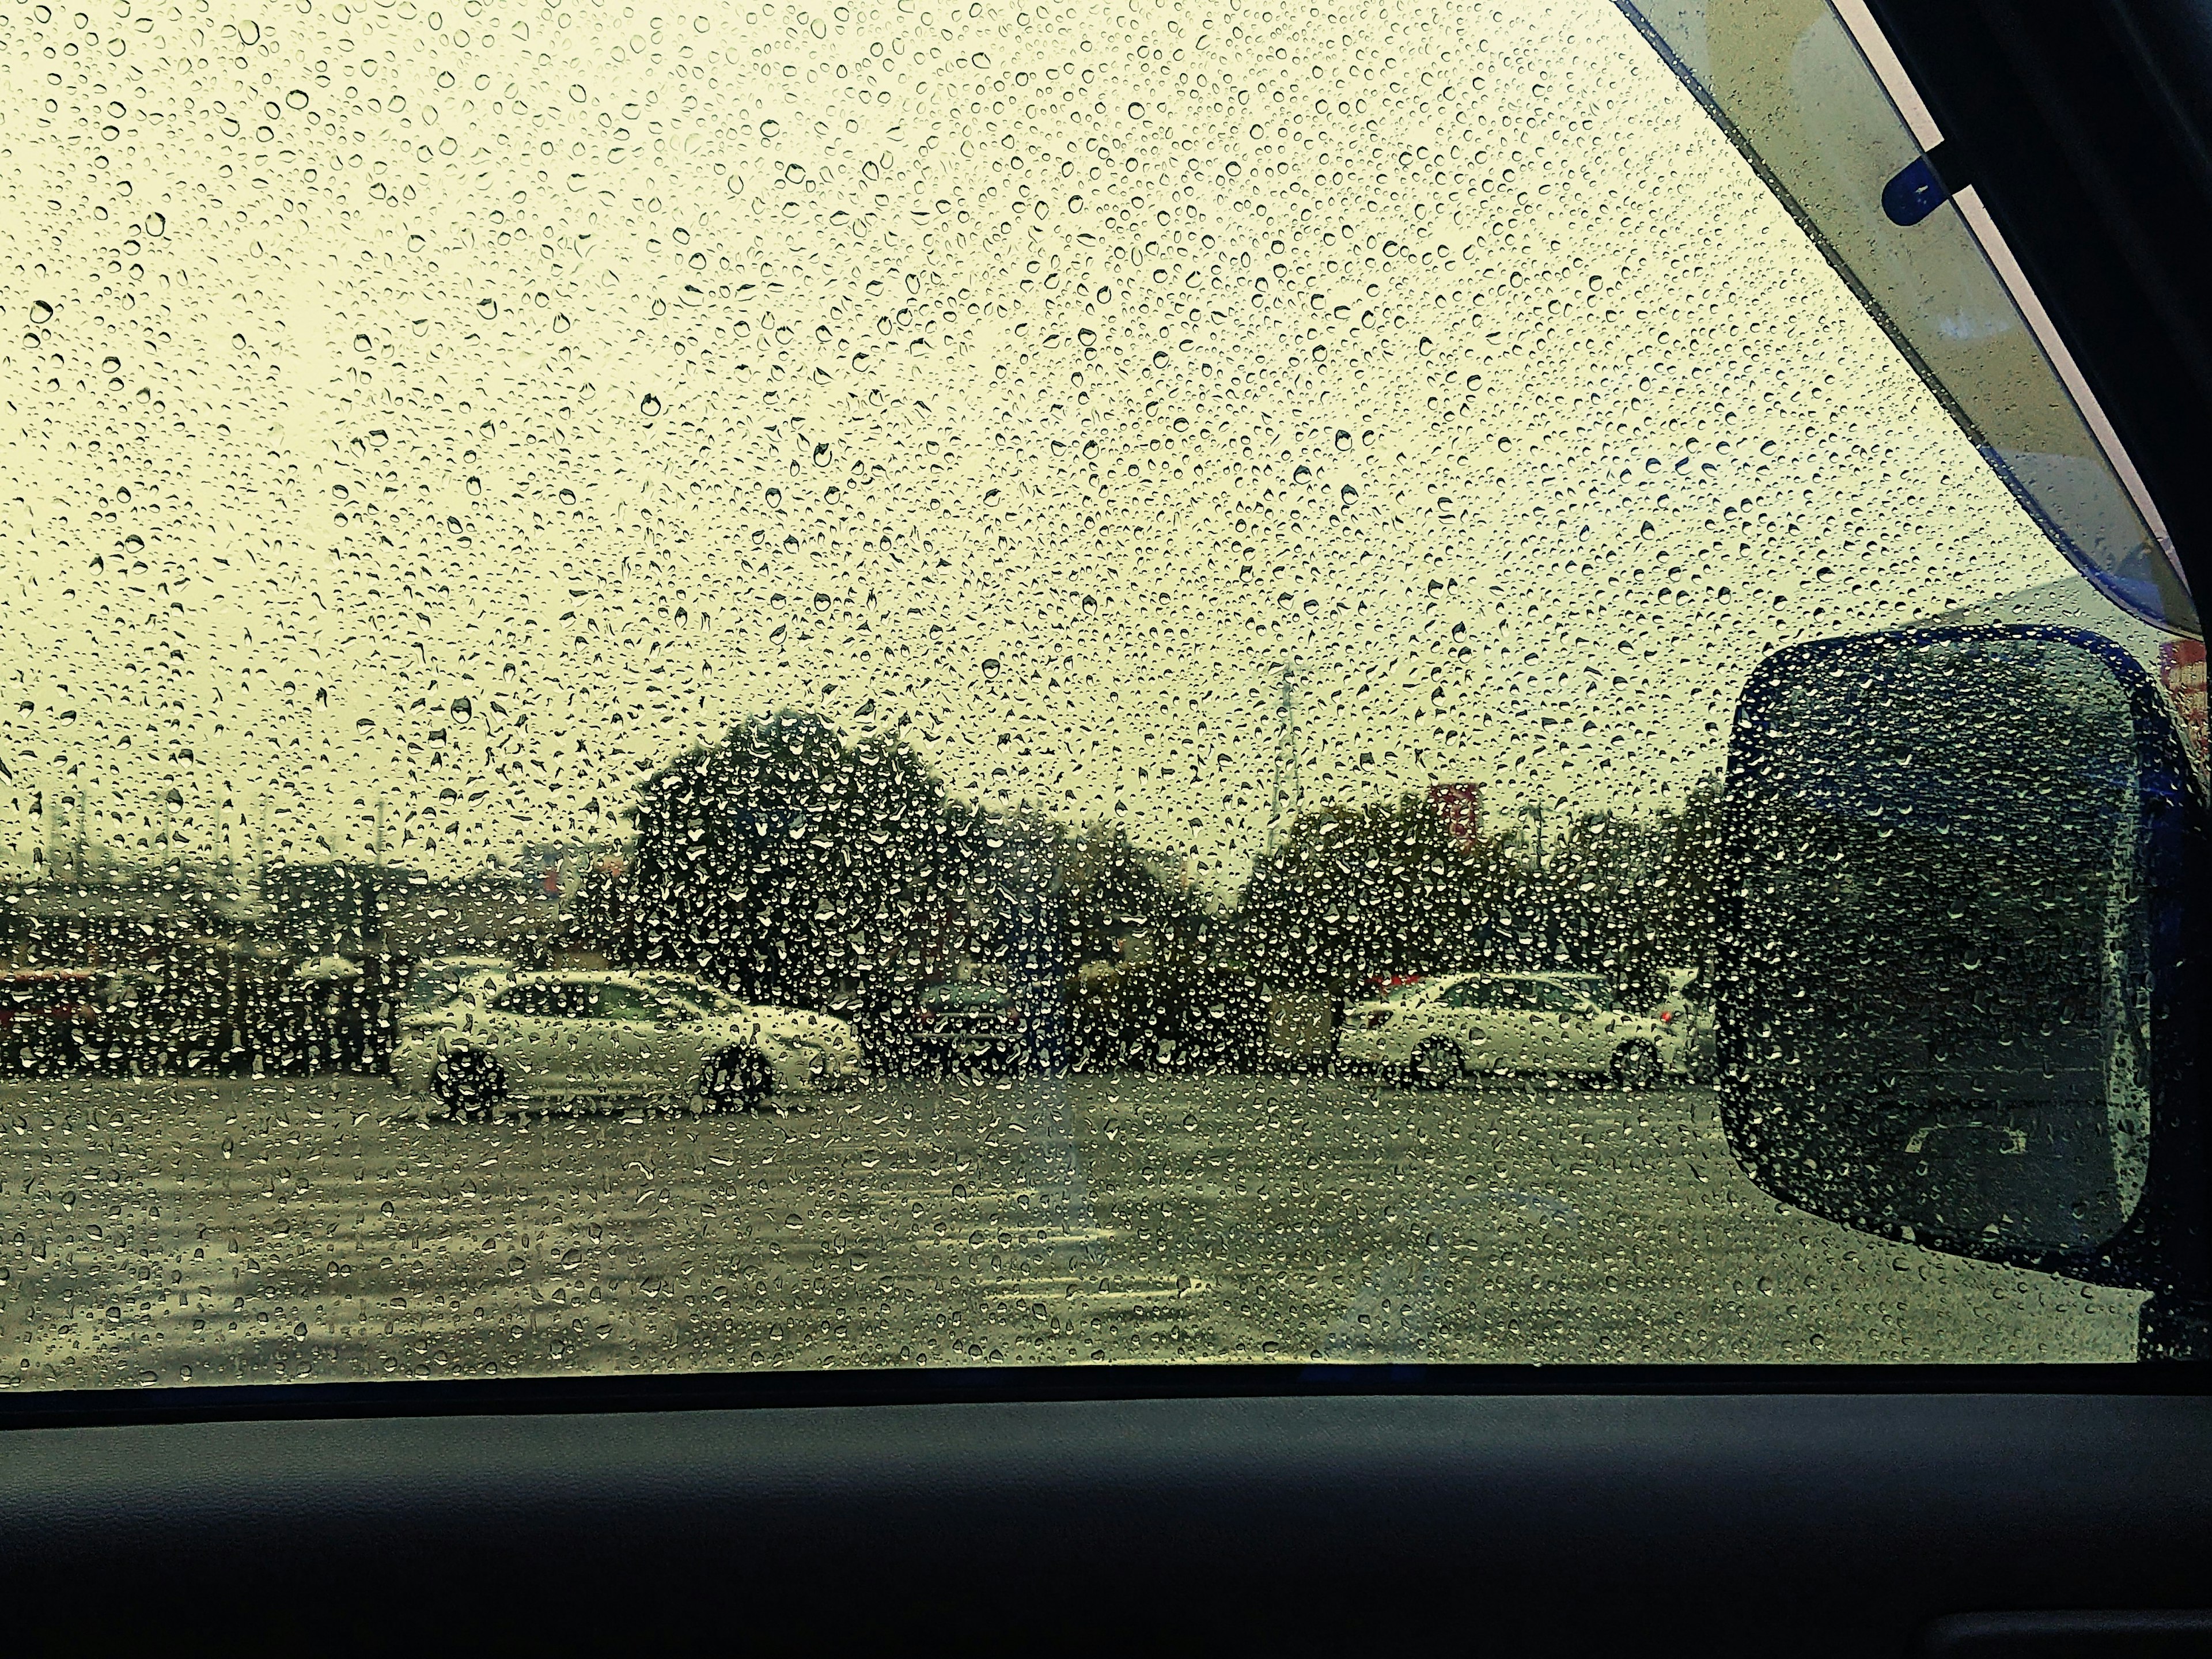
{"x":971,"y":1023}
{"x":565,"y":1037}
{"x":52,"y":1020}
{"x":1169,"y":1016}
{"x":434,"y":982}
{"x":1452,"y":1025}
{"x":1686,"y":1011}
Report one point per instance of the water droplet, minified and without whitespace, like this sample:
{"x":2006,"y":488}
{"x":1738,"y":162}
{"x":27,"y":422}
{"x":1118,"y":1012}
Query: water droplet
{"x":648,"y":405}
{"x":486,"y":309}
{"x":41,"y":312}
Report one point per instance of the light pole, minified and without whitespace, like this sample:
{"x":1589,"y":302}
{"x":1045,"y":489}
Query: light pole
{"x":1535,"y":810}
{"x":1289,"y":788}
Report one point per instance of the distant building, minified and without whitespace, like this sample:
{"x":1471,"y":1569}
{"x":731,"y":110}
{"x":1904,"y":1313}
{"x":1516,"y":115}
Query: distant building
{"x":1459,"y":806}
{"x":50,"y":923}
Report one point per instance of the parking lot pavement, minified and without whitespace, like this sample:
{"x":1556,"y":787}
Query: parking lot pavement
{"x":233,"y":1231}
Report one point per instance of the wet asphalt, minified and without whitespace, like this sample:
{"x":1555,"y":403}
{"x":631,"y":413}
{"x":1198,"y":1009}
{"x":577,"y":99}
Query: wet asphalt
{"x":169,"y":1231}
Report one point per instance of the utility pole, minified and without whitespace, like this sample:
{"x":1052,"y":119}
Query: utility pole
{"x":379,"y":832}
{"x":1289,"y":789}
{"x":1535,"y":810}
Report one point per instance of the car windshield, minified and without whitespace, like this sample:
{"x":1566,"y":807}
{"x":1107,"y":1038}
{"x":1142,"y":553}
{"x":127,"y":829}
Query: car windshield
{"x":1155,"y":524}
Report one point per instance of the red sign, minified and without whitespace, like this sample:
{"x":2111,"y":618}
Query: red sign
{"x":1460,"y":807}
{"x":2181,"y":671}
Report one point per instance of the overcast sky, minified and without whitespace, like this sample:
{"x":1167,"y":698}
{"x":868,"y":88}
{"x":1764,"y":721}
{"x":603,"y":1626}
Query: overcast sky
{"x":572,"y":383}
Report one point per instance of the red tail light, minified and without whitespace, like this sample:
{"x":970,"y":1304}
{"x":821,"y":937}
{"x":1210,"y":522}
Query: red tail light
{"x":1666,"y":1016}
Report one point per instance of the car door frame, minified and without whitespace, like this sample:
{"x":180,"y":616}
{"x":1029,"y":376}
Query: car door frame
{"x":675,"y":1050}
{"x":1481,"y":1031}
{"x":517,"y":1040}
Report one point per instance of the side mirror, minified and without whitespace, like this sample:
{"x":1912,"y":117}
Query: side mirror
{"x":1958,"y":998}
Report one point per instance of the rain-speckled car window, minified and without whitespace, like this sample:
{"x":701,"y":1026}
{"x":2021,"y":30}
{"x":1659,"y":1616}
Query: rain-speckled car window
{"x":797,"y":686}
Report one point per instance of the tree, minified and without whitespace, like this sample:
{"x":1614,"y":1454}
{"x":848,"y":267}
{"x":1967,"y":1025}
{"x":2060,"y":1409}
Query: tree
{"x":1111,"y":886}
{"x":1361,"y":891}
{"x":786,"y":865}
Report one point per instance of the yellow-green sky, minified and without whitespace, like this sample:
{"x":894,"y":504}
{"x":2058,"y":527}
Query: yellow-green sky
{"x":1038,"y":379}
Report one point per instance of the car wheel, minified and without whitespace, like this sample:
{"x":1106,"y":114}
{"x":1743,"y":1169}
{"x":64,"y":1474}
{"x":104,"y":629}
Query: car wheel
{"x":1434,"y":1064}
{"x":469,"y":1085}
{"x":737,"y":1078}
{"x":1636,"y":1066}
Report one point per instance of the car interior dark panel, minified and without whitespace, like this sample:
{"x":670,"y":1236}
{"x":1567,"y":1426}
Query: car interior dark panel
{"x":1509,"y":1524}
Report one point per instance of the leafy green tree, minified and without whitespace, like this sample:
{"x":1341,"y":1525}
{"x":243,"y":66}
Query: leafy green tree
{"x":1360,"y":891}
{"x":786,"y":864}
{"x":1111,"y":886}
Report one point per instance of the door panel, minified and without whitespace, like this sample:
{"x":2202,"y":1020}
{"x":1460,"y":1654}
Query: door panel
{"x":1532,"y":1029}
{"x":1488,"y":1036}
{"x":636,"y":1054}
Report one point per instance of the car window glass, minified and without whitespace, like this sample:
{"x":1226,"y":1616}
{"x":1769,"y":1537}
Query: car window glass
{"x":571,"y":999}
{"x":1074,"y":561}
{"x":624,"y":1002}
{"x":537,"y":1001}
{"x":431,"y":984}
{"x":1596,"y":993}
{"x":1553,"y":998}
{"x":700,"y":998}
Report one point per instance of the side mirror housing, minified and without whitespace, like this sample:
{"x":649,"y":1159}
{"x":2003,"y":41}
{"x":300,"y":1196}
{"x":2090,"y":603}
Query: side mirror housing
{"x":1958,"y":868}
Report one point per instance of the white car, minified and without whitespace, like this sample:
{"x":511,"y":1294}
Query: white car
{"x":1452,"y":1025}
{"x":565,"y":1037}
